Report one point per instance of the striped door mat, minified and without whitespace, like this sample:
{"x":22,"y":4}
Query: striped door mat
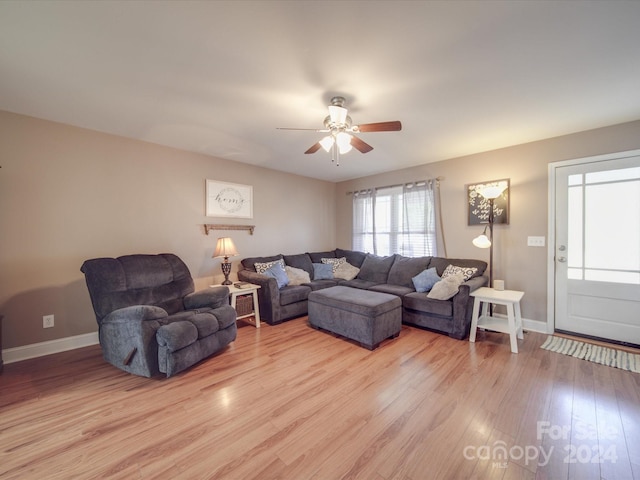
{"x":593,"y":353}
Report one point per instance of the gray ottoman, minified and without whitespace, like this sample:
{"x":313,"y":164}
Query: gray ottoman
{"x":361,"y":315}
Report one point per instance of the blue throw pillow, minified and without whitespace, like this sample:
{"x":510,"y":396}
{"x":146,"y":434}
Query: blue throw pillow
{"x":322,"y":271}
{"x":425,"y":280}
{"x":276,"y":271}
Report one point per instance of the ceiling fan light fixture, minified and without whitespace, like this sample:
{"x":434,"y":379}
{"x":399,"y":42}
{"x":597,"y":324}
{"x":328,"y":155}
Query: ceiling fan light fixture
{"x":327,"y":143}
{"x":343,"y":140}
{"x":338,"y":114}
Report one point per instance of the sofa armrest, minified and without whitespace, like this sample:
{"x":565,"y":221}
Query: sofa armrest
{"x":268,"y":294}
{"x":213,"y":297}
{"x":476,"y":282}
{"x":463,"y":307}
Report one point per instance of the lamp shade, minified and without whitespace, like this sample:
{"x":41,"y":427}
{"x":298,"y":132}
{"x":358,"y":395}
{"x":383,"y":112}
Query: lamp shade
{"x":482,"y":241}
{"x":493,"y":191}
{"x":225,"y":248}
{"x":344,"y":142}
{"x":327,"y":143}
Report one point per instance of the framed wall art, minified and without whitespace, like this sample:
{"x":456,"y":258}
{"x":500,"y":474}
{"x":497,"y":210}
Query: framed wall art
{"x":229,"y":200}
{"x":479,"y":205}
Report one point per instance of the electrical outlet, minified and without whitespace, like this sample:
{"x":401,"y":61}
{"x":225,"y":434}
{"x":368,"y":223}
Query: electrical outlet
{"x":47,"y":321}
{"x":535,"y":241}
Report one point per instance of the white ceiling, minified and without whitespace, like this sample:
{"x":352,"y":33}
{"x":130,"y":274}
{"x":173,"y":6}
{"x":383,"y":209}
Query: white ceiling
{"x":218,"y":77}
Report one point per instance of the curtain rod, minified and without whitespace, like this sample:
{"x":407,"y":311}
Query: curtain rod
{"x":437,"y":179}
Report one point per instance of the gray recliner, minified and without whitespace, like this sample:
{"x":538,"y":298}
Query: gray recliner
{"x":149,"y":316}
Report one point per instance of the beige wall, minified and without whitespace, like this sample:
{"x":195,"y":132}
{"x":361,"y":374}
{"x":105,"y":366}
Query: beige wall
{"x":69,"y":194}
{"x":522,"y":268}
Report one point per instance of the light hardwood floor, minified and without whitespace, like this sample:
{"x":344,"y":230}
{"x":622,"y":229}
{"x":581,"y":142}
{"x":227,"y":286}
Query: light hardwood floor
{"x":290,"y":402}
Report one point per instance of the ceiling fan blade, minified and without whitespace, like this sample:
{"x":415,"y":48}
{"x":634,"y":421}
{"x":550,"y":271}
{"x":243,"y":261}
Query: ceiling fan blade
{"x":324,"y":130}
{"x":358,"y":144}
{"x":394,"y":126}
{"x":314,"y":148}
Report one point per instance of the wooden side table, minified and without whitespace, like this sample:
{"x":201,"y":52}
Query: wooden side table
{"x":247,"y":289}
{"x":511,"y":325}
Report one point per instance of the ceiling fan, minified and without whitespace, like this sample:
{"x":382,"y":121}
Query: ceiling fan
{"x":341,"y":138}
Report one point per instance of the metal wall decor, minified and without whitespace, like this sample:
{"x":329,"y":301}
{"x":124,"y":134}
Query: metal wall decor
{"x":478,"y":205}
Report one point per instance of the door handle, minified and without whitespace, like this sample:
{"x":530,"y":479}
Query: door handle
{"x":562,"y":259}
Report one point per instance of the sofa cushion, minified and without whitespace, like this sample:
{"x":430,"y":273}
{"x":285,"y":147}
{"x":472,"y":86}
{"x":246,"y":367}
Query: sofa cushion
{"x":442,"y":263}
{"x":322,"y":271}
{"x":206,"y":323}
{"x":425,"y":280}
{"x":397,"y":290}
{"x":294,"y":294}
{"x":376,"y":269}
{"x":316,"y":257}
{"x":320,"y":284}
{"x":359,"y":283}
{"x":405,"y":268}
{"x":276,"y":270}
{"x":251,"y":261}
{"x":447,"y":287}
{"x":421,"y":303}
{"x":301,"y":261}
{"x":346,"y":271}
{"x":297,"y":276}
{"x":466,"y":272}
{"x":353,"y":257}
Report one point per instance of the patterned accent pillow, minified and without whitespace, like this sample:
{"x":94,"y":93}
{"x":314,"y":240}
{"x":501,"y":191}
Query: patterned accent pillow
{"x":346,"y":271}
{"x":263,"y":267}
{"x":334,"y":262}
{"x":297,"y":276}
{"x":467,"y":272}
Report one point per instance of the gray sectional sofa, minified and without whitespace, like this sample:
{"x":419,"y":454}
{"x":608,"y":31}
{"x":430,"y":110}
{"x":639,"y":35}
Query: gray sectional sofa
{"x":391,"y":274}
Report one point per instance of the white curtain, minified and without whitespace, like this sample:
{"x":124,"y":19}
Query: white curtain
{"x":363,"y":224}
{"x":398,"y":219}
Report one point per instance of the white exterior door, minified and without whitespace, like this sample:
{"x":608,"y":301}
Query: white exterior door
{"x":597,"y":247}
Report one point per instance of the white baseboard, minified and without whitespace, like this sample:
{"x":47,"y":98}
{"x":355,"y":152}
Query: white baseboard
{"x":34,"y":350}
{"x":534,"y":325}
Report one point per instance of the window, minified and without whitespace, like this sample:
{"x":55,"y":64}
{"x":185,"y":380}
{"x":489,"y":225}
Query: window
{"x":603,"y":238}
{"x":398,"y":219}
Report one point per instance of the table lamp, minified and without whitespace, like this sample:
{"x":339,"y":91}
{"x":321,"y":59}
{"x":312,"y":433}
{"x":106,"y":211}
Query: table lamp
{"x":225,"y":248}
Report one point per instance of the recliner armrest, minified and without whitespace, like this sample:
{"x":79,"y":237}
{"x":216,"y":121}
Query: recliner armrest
{"x":213,"y":297}
{"x":138,"y":313}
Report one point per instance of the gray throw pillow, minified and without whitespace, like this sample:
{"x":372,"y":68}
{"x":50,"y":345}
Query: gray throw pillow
{"x":425,"y":280}
{"x":277,"y":271}
{"x":322,"y":271}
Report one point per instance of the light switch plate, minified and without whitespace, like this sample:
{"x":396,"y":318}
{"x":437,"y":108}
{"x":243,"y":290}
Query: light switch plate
{"x":535,"y":241}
